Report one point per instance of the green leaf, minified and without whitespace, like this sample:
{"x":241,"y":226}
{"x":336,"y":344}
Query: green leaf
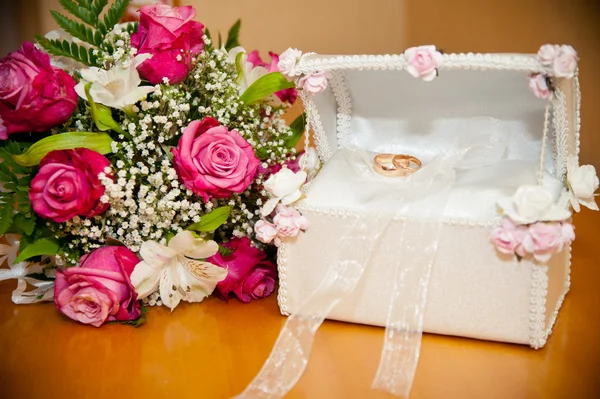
{"x":224,"y":251}
{"x":80,"y":11}
{"x":114,"y":13}
{"x":137,"y":322}
{"x":75,"y":29}
{"x":220,"y":40}
{"x":102,"y":115}
{"x":297,"y":127}
{"x":7,"y":213}
{"x":22,"y":225}
{"x":233,"y":36}
{"x":99,"y":142}
{"x":211,"y":221}
{"x":98,"y":5}
{"x":239,"y":67}
{"x":64,"y":49}
{"x":43,"y":246}
{"x":265,"y":86}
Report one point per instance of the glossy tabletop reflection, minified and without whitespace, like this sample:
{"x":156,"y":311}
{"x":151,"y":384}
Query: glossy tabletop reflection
{"x":213,"y":349}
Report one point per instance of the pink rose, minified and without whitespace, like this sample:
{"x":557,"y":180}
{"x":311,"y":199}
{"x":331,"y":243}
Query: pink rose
{"x":249,"y":274}
{"x":544,"y":240}
{"x":34,"y":95}
{"x":67,"y":184}
{"x":99,"y":289}
{"x":508,"y":236}
{"x":539,"y":85}
{"x":423,"y":62}
{"x":314,"y":82}
{"x":288,"y":222}
{"x":132,"y":12}
{"x":287,"y":95}
{"x":565,"y":63}
{"x":173,"y":39}
{"x":547,"y":53}
{"x":265,"y":231}
{"x":213,"y":161}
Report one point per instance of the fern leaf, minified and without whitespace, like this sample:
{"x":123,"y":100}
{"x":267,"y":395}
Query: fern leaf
{"x":98,"y":5}
{"x":115,"y":12}
{"x":75,"y":29}
{"x":233,"y":36}
{"x":63,"y":49}
{"x":7,"y":213}
{"x":85,"y":3}
{"x":80,"y":10}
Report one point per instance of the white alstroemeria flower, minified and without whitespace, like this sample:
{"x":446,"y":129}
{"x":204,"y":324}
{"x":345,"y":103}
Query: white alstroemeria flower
{"x":119,"y":87}
{"x":582,"y":182}
{"x":44,"y":289}
{"x":250,"y":74}
{"x":177,"y":270}
{"x":532,"y":204}
{"x":283,"y":186}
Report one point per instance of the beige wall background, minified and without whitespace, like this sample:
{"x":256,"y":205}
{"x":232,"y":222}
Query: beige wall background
{"x":389,"y":26}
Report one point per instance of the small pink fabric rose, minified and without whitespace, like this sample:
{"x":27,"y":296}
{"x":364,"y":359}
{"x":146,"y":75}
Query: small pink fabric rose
{"x":288,"y":222}
{"x":565,"y":64}
{"x":213,"y":161}
{"x":539,"y":85}
{"x":173,"y":39}
{"x":547,"y":53}
{"x":422,"y":62}
{"x":249,"y":274}
{"x":288,"y":61}
{"x":99,"y":289}
{"x":265,"y":231}
{"x":67,"y":185}
{"x":314,"y":82}
{"x":34,"y":95}
{"x":544,"y":240}
{"x":287,"y":95}
{"x":507,"y":237}
{"x":568,"y":233}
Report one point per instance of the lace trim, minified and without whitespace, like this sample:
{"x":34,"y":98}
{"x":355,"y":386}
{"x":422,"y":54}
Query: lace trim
{"x":561,"y":131}
{"x":339,"y":86}
{"x":544,"y":140}
{"x":282,"y":272}
{"x":517,"y":62}
{"x":577,"y":113}
{"x":321,"y":141}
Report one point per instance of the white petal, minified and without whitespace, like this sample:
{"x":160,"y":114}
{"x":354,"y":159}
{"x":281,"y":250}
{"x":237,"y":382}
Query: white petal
{"x":574,"y":201}
{"x":135,"y":95}
{"x":202,"y":249}
{"x":269,"y":206}
{"x":182,"y":241}
{"x":145,"y":279}
{"x":291,"y":198}
{"x":590,"y":203}
{"x":169,"y":288}
{"x":157,"y":255}
{"x":199,"y":279}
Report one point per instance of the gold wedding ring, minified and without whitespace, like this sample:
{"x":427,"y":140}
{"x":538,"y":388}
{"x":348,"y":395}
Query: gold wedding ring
{"x":396,"y":165}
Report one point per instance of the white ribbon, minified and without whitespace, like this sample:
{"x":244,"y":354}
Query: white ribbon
{"x":425,"y":192}
{"x":22,"y":272}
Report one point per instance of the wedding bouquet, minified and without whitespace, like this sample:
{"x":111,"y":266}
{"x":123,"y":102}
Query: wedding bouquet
{"x":134,"y":159}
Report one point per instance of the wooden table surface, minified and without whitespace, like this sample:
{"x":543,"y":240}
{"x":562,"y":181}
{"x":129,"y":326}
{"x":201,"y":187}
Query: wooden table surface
{"x":213,"y":349}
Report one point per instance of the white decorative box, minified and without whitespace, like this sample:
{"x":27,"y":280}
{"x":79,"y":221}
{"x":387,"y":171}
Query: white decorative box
{"x":374,"y":104}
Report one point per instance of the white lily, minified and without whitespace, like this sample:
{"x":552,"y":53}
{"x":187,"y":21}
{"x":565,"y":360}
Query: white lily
{"x":582,"y":182}
{"x":177,"y":270}
{"x":20,"y":271}
{"x":250,"y":74}
{"x":119,"y":87}
{"x":283,"y":186}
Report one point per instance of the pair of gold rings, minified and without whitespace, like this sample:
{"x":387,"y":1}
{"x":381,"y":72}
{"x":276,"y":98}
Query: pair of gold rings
{"x":396,"y":165}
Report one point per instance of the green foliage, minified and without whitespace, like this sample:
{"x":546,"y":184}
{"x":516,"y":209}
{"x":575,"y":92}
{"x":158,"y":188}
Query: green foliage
{"x":211,"y":221}
{"x":224,"y":251}
{"x":88,"y":28}
{"x":6,"y":212}
{"x":102,"y":115}
{"x":298,"y":126}
{"x":233,"y":36}
{"x":99,"y":142}
{"x":137,"y":322}
{"x":265,"y":86}
{"x":42,"y":246}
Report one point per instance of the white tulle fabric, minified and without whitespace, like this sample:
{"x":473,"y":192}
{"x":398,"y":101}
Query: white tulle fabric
{"x":483,"y":143}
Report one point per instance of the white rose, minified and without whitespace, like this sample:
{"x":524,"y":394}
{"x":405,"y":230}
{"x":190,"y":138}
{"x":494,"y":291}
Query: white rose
{"x":288,"y":61}
{"x":547,"y":53}
{"x":283,"y":186}
{"x":532,"y":204}
{"x":565,"y":63}
{"x":582,"y":182}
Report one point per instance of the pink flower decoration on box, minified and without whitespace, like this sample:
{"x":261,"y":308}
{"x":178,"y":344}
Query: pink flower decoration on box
{"x":508,"y":236}
{"x":423,"y":61}
{"x":315,"y":82}
{"x":213,"y":161}
{"x":543,"y":240}
{"x":249,"y":274}
{"x":34,"y":95}
{"x":265,"y":231}
{"x":288,"y":61}
{"x":288,"y":95}
{"x":538,"y":83}
{"x":67,"y":185}
{"x":561,"y":61}
{"x":172,"y":37}
{"x":100,"y":289}
{"x":288,"y":222}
